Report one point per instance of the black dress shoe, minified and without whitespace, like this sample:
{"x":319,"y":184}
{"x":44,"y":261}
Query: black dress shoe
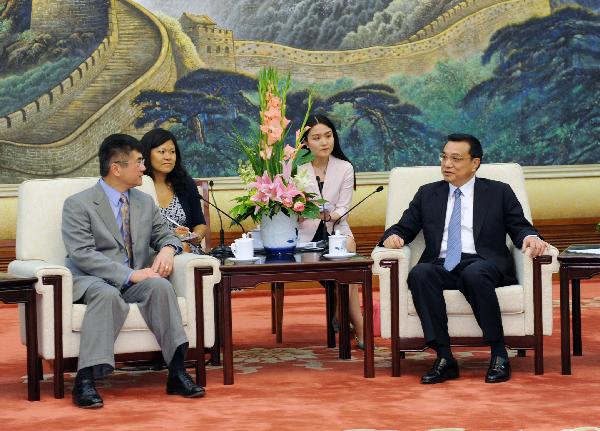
{"x":499,"y":370}
{"x":85,"y":394}
{"x":181,"y":383}
{"x":442,"y":370}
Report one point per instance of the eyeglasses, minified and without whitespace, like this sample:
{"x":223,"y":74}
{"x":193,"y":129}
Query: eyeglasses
{"x":138,"y":162}
{"x":454,"y":159}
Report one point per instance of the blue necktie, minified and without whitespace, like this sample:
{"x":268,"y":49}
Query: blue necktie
{"x":125,"y":231}
{"x":454,"y":246}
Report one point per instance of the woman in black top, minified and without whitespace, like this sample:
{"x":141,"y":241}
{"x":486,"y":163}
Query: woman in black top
{"x":178,"y":196}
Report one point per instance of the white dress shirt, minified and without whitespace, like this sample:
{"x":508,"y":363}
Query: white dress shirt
{"x":467,"y":240}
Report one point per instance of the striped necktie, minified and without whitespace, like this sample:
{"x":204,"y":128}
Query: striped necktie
{"x":125,"y":230}
{"x":454,"y":246}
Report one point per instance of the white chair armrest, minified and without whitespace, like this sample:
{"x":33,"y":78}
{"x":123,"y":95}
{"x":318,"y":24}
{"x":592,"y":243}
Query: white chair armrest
{"x":182,"y":276}
{"x":524,"y":272}
{"x":385,"y":305}
{"x":39,"y":269}
{"x":182,"y":280}
{"x":402,"y":255}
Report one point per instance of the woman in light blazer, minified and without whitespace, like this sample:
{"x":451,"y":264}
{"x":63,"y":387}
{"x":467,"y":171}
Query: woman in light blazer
{"x":332,"y":177}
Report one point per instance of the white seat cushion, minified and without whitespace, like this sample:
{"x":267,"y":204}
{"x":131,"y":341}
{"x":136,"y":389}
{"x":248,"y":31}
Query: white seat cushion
{"x":134,"y":321}
{"x":510,"y":298}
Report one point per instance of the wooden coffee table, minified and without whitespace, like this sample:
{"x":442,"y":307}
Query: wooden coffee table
{"x":574,"y":266}
{"x":307,"y":266}
{"x":15,"y":290}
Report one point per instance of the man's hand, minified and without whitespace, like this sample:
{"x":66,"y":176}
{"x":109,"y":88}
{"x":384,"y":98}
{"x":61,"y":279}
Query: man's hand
{"x":142,"y":274}
{"x":163,"y":262}
{"x":534,"y":246}
{"x":393,"y":241}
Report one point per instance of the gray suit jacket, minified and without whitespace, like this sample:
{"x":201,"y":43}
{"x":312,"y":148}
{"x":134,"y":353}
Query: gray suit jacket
{"x":95,"y":248}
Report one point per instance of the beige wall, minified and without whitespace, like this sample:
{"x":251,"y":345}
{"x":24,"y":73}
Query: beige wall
{"x":552,"y":198}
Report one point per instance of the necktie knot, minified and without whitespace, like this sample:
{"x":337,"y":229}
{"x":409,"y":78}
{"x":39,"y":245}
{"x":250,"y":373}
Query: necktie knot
{"x":123,"y":198}
{"x":457,"y":193}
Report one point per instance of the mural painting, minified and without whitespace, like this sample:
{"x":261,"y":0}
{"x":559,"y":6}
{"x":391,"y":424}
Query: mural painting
{"x":395,"y":75}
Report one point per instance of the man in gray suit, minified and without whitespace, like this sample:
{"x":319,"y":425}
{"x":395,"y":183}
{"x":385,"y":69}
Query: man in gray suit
{"x":108,"y":231}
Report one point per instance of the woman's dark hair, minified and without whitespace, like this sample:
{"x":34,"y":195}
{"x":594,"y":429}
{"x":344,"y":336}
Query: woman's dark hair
{"x":155,"y":138}
{"x":337,"y":152}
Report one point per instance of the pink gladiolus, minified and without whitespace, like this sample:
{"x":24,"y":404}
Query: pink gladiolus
{"x":289,"y":152}
{"x":273,"y":132}
{"x":266,"y":154}
{"x":300,"y":132}
{"x":273,"y":102}
{"x":299,"y":207}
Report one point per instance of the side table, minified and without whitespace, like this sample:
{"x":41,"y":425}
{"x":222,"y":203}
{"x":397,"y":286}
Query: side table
{"x":575,"y":265}
{"x":300,"y":267}
{"x":15,"y":290}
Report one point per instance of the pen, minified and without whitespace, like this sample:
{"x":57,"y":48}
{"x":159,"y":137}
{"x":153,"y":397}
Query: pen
{"x":174,"y":222}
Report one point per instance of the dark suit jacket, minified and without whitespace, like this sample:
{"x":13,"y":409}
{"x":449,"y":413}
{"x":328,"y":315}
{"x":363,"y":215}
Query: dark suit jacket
{"x":496,"y":212}
{"x":189,"y":198}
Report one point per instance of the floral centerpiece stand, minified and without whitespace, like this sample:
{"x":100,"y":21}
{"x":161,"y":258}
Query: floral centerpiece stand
{"x":275,"y":193}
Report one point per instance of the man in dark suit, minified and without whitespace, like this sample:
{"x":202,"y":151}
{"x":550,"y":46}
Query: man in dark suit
{"x":464,"y":221}
{"x":108,"y":231}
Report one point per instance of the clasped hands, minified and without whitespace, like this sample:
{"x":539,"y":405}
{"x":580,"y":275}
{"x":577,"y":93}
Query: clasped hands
{"x":161,"y":267}
{"x":533,"y":246}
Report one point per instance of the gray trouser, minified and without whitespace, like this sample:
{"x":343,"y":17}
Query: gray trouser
{"x":105,"y":315}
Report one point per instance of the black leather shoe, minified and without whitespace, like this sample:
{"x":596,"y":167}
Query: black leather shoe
{"x":499,"y":370}
{"x":441,"y":371}
{"x":85,"y":394}
{"x":181,"y":383}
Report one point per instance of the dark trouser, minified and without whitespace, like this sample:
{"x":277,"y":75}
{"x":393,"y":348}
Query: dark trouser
{"x":476,"y":278}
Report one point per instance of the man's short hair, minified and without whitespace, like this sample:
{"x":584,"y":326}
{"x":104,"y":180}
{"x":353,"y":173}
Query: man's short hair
{"x":475,"y":150}
{"x":115,"y":146}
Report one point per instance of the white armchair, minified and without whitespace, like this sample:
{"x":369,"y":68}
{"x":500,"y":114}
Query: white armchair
{"x":40,"y":253}
{"x":526,"y":308}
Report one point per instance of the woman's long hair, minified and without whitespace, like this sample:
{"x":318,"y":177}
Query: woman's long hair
{"x":337,"y":152}
{"x":155,"y":138}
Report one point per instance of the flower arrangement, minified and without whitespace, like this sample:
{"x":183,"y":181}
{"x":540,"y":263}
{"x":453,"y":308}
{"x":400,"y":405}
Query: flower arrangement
{"x":270,"y":173}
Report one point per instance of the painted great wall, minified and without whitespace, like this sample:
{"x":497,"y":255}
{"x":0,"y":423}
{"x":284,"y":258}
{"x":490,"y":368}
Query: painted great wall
{"x":58,"y":134}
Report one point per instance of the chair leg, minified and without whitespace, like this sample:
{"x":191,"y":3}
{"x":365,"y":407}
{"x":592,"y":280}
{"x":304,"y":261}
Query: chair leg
{"x":273,"y":325}
{"x":201,"y":369}
{"x":59,"y":378}
{"x":40,"y":369}
{"x":521,"y":353}
{"x":279,"y":294}
{"x":402,"y":355}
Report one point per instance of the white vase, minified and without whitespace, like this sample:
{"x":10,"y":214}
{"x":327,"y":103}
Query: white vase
{"x":279,"y":234}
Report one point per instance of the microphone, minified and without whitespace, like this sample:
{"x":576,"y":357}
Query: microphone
{"x":221,"y":249}
{"x":219,"y":210}
{"x":377,"y":190}
{"x":320,"y":186}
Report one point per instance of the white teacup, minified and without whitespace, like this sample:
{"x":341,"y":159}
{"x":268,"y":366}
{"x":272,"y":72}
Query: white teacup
{"x":337,"y":244}
{"x":243,"y":248}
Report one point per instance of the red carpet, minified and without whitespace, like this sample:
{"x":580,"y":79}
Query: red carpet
{"x":302,"y":385}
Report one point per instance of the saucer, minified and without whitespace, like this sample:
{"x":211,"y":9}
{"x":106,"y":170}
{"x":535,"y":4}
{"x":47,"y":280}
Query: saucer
{"x":238,"y":260}
{"x":338,"y":256}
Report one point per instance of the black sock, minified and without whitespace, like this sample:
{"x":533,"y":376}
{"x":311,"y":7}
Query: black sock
{"x":498,"y":349}
{"x":86,"y":373}
{"x":442,"y":351}
{"x":178,"y":361}
{"x":445,"y":352}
